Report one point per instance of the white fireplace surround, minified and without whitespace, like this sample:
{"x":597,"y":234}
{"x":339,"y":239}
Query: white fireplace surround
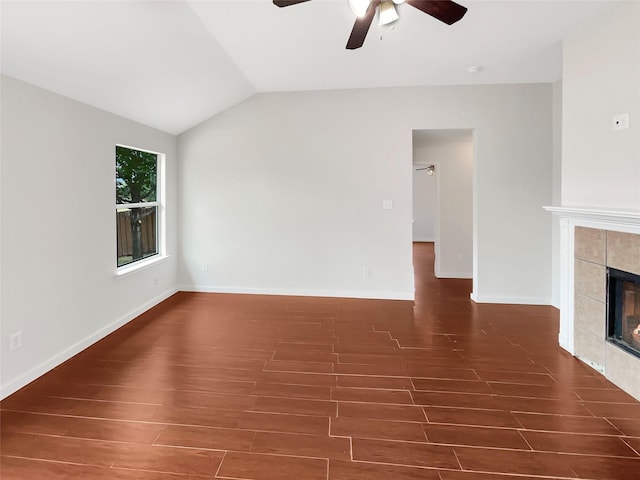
{"x":627,"y":221}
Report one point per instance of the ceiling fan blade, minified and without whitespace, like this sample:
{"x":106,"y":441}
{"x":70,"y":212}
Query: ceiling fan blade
{"x":287,"y":3}
{"x":444,"y":10}
{"x":361,"y":27}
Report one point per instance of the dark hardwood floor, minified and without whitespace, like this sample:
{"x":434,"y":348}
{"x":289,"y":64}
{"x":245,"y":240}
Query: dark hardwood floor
{"x":291,"y":388}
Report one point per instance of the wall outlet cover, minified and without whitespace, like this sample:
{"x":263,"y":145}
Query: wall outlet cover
{"x":15,"y":341}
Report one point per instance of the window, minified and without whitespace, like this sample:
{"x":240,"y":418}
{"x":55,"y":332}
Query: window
{"x":137,"y":205}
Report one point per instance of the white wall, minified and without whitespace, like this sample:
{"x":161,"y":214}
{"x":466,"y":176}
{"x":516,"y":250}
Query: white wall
{"x":601,"y":78}
{"x":556,"y":180}
{"x":424,"y":205}
{"x":454,"y":175}
{"x":283,"y":193}
{"x":58,"y":229}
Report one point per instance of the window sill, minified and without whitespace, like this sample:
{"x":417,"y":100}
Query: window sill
{"x":140,"y":265}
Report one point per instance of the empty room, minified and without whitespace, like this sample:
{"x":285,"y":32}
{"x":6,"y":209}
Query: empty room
{"x":320,"y":240}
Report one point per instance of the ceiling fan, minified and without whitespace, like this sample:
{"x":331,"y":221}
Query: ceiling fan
{"x":444,"y":10}
{"x":431,"y":169}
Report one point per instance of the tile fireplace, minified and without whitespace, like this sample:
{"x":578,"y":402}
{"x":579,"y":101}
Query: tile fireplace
{"x":600,"y":250}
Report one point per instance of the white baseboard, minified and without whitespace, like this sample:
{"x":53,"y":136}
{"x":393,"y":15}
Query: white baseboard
{"x":564,"y":345}
{"x":39,"y":370}
{"x":302,"y":293}
{"x":464,"y":275}
{"x":596,"y":366}
{"x":510,"y":300}
{"x":424,"y":239}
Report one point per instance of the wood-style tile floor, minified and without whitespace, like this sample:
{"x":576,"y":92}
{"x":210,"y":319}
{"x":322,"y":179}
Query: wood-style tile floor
{"x":289,"y":388}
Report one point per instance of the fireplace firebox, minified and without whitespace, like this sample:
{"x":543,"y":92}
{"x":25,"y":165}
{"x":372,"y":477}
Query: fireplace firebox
{"x":623,"y":304}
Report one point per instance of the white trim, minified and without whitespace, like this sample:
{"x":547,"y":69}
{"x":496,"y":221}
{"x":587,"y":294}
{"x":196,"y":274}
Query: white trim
{"x":20,"y":381}
{"x":129,"y":206}
{"x":474,"y":213}
{"x":437,"y":241}
{"x":134,"y":267}
{"x":510,"y":300}
{"x":465,"y":275}
{"x":623,"y":217}
{"x":566,"y":333}
{"x":413,"y":281}
{"x":424,"y":239}
{"x":596,"y":366}
{"x":160,"y":204}
{"x":161,"y":197}
{"x":375,"y":295}
{"x":138,"y":148}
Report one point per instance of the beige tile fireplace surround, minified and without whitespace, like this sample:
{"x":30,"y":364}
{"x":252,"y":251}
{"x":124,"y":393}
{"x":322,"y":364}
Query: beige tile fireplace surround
{"x":592,"y":239}
{"x":594,"y":251}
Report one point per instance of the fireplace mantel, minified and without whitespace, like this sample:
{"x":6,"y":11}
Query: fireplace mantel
{"x":628,"y":217}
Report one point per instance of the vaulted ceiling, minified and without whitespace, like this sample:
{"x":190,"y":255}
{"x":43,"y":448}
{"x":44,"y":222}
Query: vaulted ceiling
{"x":173,"y":64}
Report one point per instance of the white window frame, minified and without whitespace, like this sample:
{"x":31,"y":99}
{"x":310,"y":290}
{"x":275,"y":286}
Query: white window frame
{"x":159,"y":203}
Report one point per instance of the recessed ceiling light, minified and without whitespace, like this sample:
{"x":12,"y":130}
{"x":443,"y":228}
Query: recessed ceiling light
{"x":474,"y":69}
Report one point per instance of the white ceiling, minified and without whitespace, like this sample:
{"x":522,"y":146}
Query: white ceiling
{"x":153,"y":62}
{"x":173,"y":64}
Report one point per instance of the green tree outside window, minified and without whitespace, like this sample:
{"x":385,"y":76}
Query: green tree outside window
{"x":136,"y":204}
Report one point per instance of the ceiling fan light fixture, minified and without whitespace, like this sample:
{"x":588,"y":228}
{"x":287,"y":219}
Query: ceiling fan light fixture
{"x":359,"y":7}
{"x":398,"y":2}
{"x":388,"y":13}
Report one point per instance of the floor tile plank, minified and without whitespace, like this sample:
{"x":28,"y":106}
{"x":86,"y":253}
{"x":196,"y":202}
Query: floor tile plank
{"x":404,"y":453}
{"x":340,"y":470}
{"x":251,"y":466}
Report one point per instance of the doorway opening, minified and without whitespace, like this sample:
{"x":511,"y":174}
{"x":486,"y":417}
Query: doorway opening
{"x":443,"y":198}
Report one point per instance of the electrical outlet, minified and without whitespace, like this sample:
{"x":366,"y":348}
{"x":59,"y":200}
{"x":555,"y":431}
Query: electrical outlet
{"x":15,"y":341}
{"x":157,"y":280}
{"x":205,"y":267}
{"x":366,"y":272}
